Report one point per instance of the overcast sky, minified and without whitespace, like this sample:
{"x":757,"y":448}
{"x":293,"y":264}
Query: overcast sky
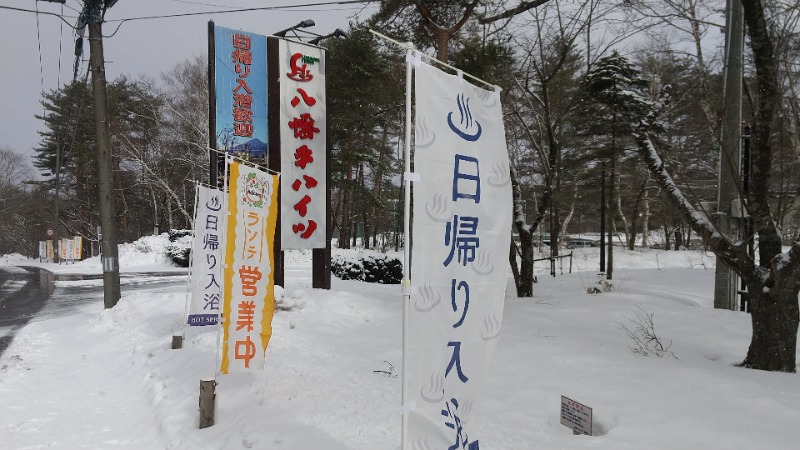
{"x":139,"y":47}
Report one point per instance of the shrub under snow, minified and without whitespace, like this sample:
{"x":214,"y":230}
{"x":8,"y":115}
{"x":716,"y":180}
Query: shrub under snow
{"x":369,"y":266}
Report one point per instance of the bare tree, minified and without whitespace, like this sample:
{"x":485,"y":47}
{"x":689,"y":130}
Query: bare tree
{"x":17,"y":225}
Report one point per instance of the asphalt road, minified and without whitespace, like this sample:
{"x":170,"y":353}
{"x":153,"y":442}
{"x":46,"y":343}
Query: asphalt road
{"x":31,"y":293}
{"x":23,"y":293}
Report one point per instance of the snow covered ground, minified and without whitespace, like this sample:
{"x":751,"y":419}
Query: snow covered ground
{"x":108,"y":378}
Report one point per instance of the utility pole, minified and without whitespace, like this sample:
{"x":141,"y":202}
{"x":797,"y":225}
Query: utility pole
{"x":92,"y":15}
{"x":729,"y":161}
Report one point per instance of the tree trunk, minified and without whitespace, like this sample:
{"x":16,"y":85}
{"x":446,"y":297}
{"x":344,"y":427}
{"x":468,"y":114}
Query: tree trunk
{"x":627,"y":229}
{"x":612,"y":229}
{"x":524,"y":282}
{"x":347,"y":219}
{"x":774,"y":315}
{"x":640,"y":196}
{"x":571,"y":213}
{"x":155,"y":207}
{"x":512,"y":260}
{"x":170,"y":219}
{"x":646,"y":219}
{"x":440,"y":33}
{"x":555,"y":226}
{"x":525,"y":287}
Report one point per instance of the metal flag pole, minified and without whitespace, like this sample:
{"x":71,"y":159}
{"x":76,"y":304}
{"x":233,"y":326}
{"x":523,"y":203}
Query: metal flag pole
{"x":406,"y":247}
{"x":406,"y":284}
{"x":177,"y":341}
{"x":405,"y":407}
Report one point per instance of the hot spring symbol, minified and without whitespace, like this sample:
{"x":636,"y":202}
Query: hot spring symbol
{"x":467,"y":122}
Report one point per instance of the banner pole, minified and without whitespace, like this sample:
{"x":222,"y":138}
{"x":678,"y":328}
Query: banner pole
{"x":406,"y":249}
{"x":225,"y":218}
{"x":213,"y":156}
{"x":177,"y":341}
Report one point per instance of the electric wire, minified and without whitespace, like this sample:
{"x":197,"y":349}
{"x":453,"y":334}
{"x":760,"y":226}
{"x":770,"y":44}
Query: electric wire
{"x":39,"y":45}
{"x":64,"y":18}
{"x":227,"y":11}
{"x":44,"y":13}
{"x":60,"y":48}
{"x":261,"y":8}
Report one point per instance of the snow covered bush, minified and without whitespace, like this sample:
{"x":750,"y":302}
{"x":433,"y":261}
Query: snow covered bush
{"x":601,"y":285}
{"x":369,"y":266}
{"x":180,"y":246}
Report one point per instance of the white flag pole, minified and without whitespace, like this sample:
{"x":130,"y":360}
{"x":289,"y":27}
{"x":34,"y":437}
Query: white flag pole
{"x":406,"y":248}
{"x":188,"y":299}
{"x":406,"y":284}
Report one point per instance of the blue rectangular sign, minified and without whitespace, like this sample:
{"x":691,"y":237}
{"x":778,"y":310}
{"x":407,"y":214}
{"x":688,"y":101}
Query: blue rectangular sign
{"x":240,"y":70}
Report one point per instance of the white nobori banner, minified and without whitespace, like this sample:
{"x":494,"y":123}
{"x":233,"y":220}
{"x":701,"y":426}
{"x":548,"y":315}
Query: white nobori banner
{"x":461,"y":232}
{"x":205,"y":284}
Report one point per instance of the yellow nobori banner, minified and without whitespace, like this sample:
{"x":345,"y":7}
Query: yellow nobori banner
{"x":248,"y":287}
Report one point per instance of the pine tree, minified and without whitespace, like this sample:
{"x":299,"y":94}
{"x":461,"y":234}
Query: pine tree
{"x":615,"y":93}
{"x":66,"y":156}
{"x":363,"y":102}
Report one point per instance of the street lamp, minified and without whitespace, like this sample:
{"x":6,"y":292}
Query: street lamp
{"x":336,"y":33}
{"x":304,"y":24}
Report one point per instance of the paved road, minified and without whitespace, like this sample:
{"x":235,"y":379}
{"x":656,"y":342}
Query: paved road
{"x":30,"y":293}
{"x":23,"y":293}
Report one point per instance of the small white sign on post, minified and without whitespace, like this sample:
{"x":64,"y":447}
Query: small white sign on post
{"x":576,"y":416}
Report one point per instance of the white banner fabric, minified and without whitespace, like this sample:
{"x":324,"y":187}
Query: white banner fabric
{"x":77,"y":247}
{"x":42,"y":250}
{"x":249,"y":279}
{"x":65,"y":252}
{"x":303,"y":119}
{"x":461,"y":232}
{"x":206,"y":261}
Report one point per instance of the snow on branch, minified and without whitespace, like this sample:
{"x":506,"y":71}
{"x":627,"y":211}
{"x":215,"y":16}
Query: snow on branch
{"x":731,"y":254}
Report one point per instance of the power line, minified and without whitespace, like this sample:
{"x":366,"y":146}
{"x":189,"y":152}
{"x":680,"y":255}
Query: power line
{"x":60,"y":16}
{"x":197,"y":13}
{"x":39,"y":45}
{"x":262,"y":8}
{"x":64,"y":18}
{"x":60,"y":47}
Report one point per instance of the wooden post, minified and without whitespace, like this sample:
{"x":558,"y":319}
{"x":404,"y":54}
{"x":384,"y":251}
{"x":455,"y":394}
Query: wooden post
{"x":321,"y":257}
{"x":177,"y":342}
{"x":274,"y":137}
{"x":207,"y":402}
